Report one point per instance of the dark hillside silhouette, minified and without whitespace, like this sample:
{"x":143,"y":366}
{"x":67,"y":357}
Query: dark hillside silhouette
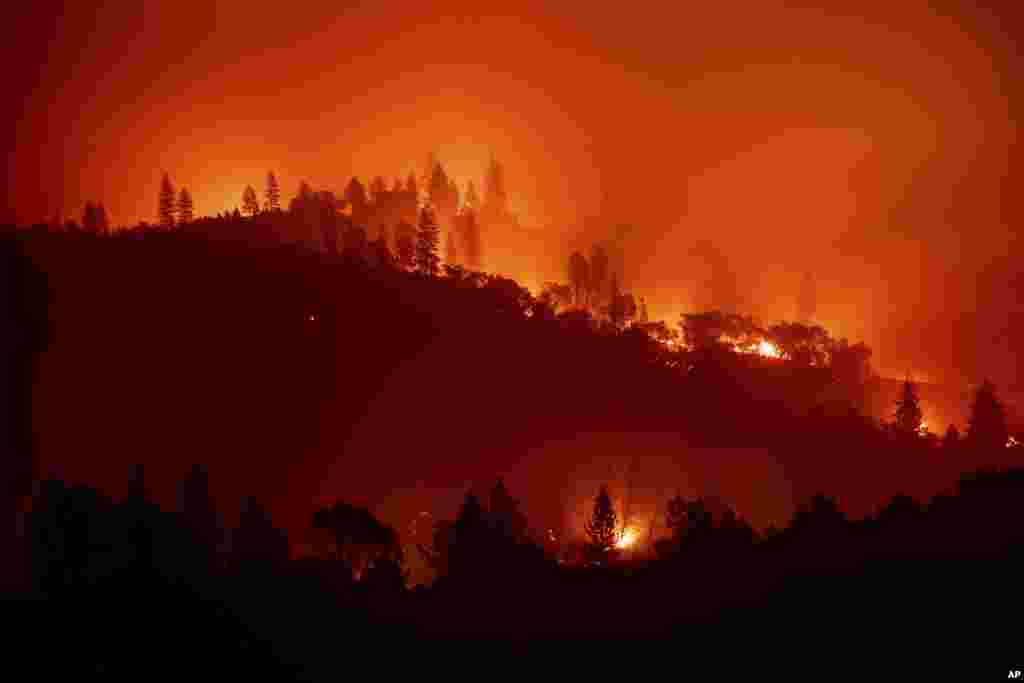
{"x":245,"y":392}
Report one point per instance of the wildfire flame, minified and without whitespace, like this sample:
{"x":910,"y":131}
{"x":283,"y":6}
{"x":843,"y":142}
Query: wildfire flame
{"x":764,"y":348}
{"x":768,"y":350}
{"x":627,"y":538}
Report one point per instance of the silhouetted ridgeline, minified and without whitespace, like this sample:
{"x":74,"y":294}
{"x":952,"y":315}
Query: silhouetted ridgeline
{"x":298,"y":379}
{"x":279,"y":368}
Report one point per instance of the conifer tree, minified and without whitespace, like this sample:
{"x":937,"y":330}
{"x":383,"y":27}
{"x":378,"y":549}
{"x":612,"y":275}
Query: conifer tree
{"x":273,"y":193}
{"x":198,"y":514}
{"x":469,"y":552}
{"x":908,"y":417}
{"x":427,"y":243}
{"x":506,"y":519}
{"x":103,"y":221}
{"x":166,"y":207}
{"x":602,"y":527}
{"x":90,"y":221}
{"x":250,"y":205}
{"x":185,"y":206}
{"x":987,"y":428}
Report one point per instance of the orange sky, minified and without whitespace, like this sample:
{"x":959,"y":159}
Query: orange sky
{"x":872,"y":143}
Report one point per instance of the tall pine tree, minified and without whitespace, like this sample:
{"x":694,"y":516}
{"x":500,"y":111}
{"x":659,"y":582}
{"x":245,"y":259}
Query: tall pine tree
{"x":185,"y":206}
{"x":273,"y":193}
{"x":603,"y":526}
{"x":987,"y":427}
{"x":167,"y":203}
{"x":250,"y":205}
{"x":428,"y":238}
{"x":103,"y":221}
{"x":90,"y":219}
{"x":908,"y":417}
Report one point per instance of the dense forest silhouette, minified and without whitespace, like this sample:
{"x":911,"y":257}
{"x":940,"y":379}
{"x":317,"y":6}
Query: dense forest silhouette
{"x":207,"y":371}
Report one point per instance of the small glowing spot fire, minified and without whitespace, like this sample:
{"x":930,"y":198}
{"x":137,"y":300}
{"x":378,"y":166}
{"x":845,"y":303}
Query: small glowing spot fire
{"x":1012,"y":443}
{"x":768,"y":350}
{"x":627,"y":539}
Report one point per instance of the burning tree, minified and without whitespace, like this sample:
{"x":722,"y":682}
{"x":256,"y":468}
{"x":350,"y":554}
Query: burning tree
{"x":427,"y":240}
{"x":603,"y":527}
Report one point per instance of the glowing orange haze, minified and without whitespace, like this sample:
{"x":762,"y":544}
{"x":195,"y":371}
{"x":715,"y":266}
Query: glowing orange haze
{"x":870,"y":146}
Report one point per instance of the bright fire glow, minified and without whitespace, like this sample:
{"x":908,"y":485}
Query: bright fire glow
{"x":764,"y":348}
{"x":627,"y":539}
{"x":768,"y":350}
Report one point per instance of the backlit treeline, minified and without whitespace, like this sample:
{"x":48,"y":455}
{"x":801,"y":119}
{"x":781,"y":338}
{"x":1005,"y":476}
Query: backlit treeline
{"x":401,"y":215}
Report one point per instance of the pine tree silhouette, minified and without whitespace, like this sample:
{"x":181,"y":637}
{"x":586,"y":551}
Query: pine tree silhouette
{"x":427,"y":240}
{"x":90,"y":219}
{"x":602,"y":528}
{"x":103,"y":221}
{"x":185,"y":206}
{"x":273,"y":193}
{"x":987,"y":428}
{"x":908,"y":417}
{"x":250,"y":205}
{"x":166,"y":206}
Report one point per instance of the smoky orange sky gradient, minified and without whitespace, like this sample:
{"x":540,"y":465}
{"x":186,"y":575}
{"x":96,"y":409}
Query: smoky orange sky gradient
{"x":874,"y":144}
